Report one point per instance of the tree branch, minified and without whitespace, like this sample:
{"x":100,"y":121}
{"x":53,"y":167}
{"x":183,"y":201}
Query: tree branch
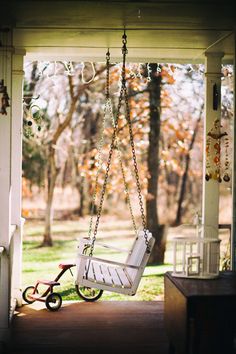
{"x":74,"y":98}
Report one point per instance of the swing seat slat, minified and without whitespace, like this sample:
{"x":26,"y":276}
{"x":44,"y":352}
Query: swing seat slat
{"x":106,"y":274}
{"x":123,"y":278}
{"x":97,"y":272}
{"x":111,"y":275}
{"x":115,"y":277}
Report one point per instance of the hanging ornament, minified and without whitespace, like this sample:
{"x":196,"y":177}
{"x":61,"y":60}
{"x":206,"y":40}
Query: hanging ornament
{"x":4,"y":97}
{"x":82,"y":73}
{"x":69,"y":68}
{"x":226,"y":176}
{"x":208,"y":165}
{"x":213,"y":154}
{"x":33,"y":118}
{"x":149,"y":71}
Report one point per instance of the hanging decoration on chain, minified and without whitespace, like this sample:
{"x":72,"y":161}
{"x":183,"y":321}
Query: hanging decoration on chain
{"x":4,"y":97}
{"x":215,"y":141}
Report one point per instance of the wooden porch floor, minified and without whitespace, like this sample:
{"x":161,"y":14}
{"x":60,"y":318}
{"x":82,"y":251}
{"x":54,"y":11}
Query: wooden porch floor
{"x":79,"y":327}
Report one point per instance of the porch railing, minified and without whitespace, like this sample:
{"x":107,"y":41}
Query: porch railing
{"x":15,"y":257}
{"x":13,"y":235}
{"x":226,"y":263}
{"x":2,"y":251}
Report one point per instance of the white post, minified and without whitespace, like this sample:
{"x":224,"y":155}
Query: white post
{"x":5,"y":197}
{"x":16,"y":163}
{"x":210,"y":197}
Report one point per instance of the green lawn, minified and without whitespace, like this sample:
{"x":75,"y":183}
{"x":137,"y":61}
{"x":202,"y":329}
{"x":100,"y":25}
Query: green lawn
{"x":42,"y":263}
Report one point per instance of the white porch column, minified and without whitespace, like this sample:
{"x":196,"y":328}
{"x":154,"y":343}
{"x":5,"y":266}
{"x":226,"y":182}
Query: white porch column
{"x":5,"y":199}
{"x":16,"y":163}
{"x":210,"y":197}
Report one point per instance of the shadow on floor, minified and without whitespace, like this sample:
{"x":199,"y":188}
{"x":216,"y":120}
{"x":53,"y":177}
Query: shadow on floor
{"x":79,"y":327}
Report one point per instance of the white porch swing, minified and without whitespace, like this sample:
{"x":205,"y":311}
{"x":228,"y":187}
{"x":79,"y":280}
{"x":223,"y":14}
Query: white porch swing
{"x":95,"y":274}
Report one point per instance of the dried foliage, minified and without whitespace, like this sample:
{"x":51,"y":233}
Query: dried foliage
{"x":67,"y":114}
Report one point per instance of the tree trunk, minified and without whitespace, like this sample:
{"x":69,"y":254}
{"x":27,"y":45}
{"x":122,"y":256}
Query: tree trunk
{"x":31,"y":87}
{"x":158,"y":231}
{"x":82,"y":199}
{"x":158,"y":253}
{"x":79,"y":184}
{"x":53,"y":171}
{"x":80,"y":211}
{"x":51,"y":179}
{"x":179,"y":213}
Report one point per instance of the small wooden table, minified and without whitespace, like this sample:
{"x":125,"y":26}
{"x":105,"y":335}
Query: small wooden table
{"x":200,"y":315}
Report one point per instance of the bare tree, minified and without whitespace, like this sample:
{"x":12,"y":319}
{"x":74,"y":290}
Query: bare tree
{"x":75,"y":91}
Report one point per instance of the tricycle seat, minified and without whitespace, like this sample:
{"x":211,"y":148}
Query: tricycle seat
{"x":66,"y":265}
{"x":48,"y":282}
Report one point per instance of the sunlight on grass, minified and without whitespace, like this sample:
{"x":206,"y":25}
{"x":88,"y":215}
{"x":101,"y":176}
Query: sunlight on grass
{"x":42,"y":263}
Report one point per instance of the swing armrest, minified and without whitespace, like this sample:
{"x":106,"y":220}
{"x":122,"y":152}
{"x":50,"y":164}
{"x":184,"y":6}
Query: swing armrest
{"x":113,"y":247}
{"x":87,"y":242}
{"x":101,"y":260}
{"x":84,"y":243}
{"x":84,"y":240}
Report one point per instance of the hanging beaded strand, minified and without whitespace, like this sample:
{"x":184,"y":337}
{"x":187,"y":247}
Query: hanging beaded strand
{"x":226,"y":177}
{"x":216,"y":161}
{"x":213,"y":147}
{"x":208,"y":175}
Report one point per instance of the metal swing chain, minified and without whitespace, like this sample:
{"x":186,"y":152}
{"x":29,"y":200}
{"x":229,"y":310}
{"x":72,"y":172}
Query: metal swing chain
{"x":123,"y":93}
{"x":109,"y":106}
{"x":126,"y":190}
{"x":100,"y":145}
{"x":136,"y":169}
{"x":112,"y":146}
{"x":133,"y":147}
{"x":108,"y":109}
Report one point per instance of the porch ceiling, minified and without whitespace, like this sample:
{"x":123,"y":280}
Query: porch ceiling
{"x":158,"y":31}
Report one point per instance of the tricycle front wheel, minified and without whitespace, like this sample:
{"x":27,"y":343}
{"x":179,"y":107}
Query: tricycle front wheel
{"x":53,"y":301}
{"x":88,"y":294}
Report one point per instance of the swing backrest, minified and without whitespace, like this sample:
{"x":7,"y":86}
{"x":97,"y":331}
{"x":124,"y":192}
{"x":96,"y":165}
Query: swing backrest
{"x":139,"y":255}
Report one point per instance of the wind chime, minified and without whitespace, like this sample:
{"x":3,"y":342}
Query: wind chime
{"x":33,"y":118}
{"x":214,"y":168}
{"x":4,"y":97}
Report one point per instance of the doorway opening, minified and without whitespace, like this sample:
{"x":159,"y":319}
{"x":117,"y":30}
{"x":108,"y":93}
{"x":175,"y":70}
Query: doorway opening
{"x":164,"y":96}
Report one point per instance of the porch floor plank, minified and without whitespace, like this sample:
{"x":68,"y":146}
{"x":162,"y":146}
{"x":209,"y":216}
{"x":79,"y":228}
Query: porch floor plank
{"x":103,"y":326}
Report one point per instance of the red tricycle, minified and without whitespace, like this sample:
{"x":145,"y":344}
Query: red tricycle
{"x":52,"y":299}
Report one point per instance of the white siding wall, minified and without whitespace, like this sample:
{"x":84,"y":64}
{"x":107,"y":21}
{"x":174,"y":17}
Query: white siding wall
{"x":10,"y":191}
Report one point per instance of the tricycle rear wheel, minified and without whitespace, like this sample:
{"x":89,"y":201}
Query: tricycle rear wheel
{"x":27,"y":292}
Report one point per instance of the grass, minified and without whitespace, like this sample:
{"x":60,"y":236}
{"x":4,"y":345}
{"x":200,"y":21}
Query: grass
{"x":42,"y":263}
